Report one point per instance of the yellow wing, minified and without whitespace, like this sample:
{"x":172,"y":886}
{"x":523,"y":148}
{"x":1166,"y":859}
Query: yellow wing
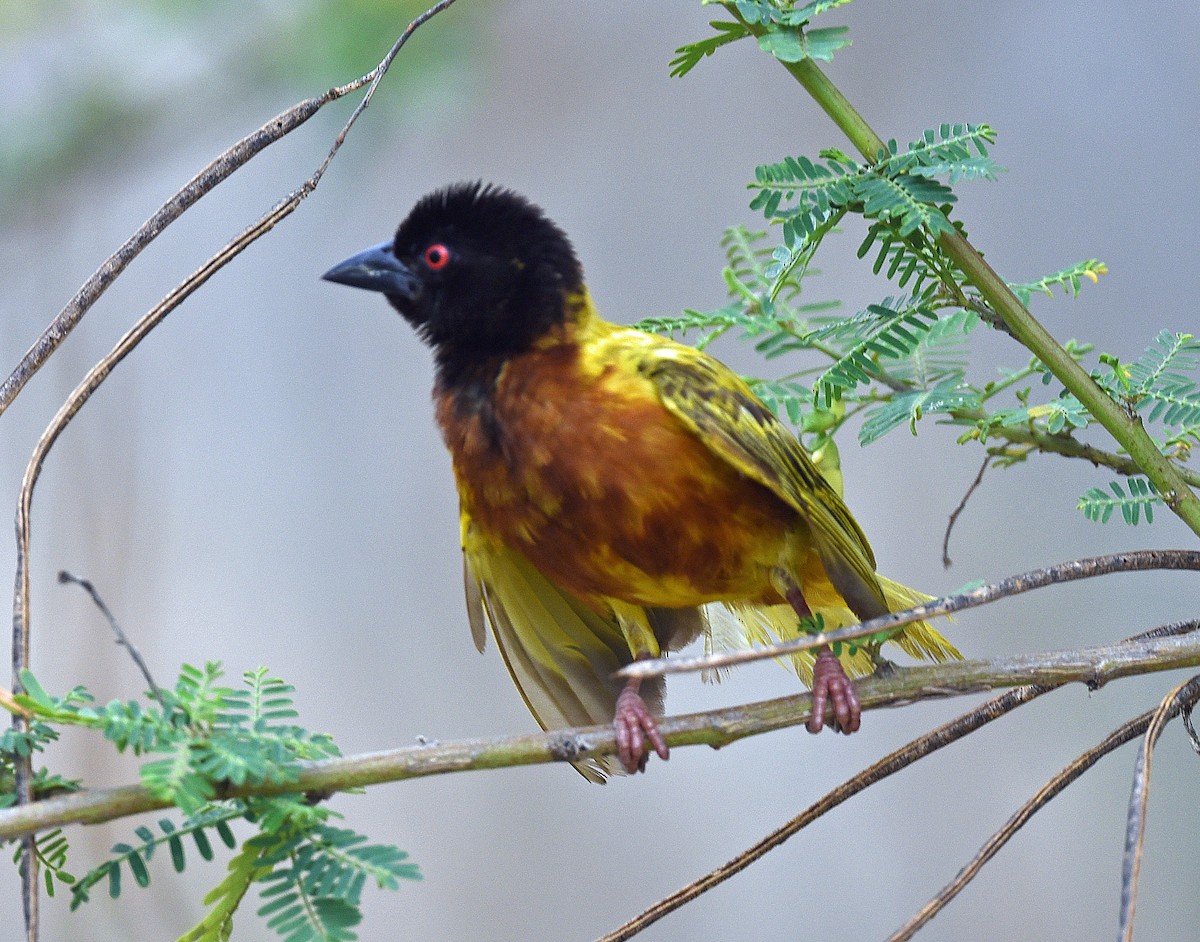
{"x":560,"y":653}
{"x":720,"y":408}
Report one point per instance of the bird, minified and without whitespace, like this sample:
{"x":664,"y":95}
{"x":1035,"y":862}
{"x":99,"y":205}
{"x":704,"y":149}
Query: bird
{"x":621,"y":493}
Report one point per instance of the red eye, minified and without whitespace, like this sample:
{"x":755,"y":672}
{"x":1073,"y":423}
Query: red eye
{"x":437,"y":256}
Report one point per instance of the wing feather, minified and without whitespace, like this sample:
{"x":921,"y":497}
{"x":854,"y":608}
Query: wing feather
{"x":721,"y":409}
{"x":560,"y":653}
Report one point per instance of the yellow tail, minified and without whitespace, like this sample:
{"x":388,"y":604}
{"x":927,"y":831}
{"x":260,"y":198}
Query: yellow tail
{"x":767,"y":624}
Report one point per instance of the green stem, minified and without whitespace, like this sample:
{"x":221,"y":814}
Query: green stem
{"x":1127,"y":429}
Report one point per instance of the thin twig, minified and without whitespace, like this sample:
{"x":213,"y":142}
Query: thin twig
{"x":1193,"y":736}
{"x":899,"y":687}
{"x":122,"y":638}
{"x":212,"y":175}
{"x":1182,"y":697}
{"x":202,"y":183}
{"x":1118,"y":737}
{"x":904,"y":756}
{"x":1135,"y":561}
{"x":962,"y":505}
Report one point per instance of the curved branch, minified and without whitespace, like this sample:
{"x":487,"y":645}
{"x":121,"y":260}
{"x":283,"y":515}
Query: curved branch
{"x":899,"y":686}
{"x":1136,"y":561}
{"x":1124,"y":733}
{"x":900,"y":759}
{"x":219,"y":170}
{"x":1181,"y":699}
{"x":203,"y":182}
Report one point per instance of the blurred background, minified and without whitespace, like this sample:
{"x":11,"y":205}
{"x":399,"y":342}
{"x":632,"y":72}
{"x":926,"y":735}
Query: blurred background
{"x":262,"y":482}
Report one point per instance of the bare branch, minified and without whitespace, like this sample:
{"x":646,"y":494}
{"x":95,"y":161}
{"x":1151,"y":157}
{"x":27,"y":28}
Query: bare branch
{"x":1182,"y":697}
{"x":211,"y":176}
{"x":962,"y":505}
{"x":1118,"y":737}
{"x":202,"y":183}
{"x":1136,"y":561}
{"x":122,"y":638}
{"x":900,"y":759}
{"x":903,"y":757}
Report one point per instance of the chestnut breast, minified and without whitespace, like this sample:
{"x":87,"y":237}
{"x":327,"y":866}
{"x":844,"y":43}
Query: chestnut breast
{"x":582,"y":469}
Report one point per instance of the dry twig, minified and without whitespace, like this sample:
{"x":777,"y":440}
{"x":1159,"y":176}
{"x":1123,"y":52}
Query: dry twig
{"x":1136,"y":561}
{"x":212,"y":175}
{"x":906,"y":755}
{"x":1182,"y":698}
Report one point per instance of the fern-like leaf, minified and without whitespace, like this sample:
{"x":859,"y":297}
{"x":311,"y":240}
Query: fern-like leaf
{"x":689,"y":56}
{"x":1070,"y":280}
{"x":135,"y":857}
{"x":786,"y":398}
{"x":217,"y":925}
{"x":1098,"y":505}
{"x":888,"y":331}
{"x":1058,"y":415}
{"x":909,"y":406}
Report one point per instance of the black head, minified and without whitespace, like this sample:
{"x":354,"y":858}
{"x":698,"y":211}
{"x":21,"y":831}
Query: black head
{"x":479,"y":271}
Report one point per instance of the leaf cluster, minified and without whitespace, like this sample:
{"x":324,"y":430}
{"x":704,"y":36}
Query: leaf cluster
{"x":907,"y":356}
{"x":202,"y":738}
{"x":781,"y":28}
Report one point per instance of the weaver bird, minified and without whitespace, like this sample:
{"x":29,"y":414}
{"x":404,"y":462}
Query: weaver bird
{"x":613,"y":484}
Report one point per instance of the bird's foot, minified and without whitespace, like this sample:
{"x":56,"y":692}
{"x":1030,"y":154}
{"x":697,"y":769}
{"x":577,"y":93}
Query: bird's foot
{"x":831,"y":685}
{"x":636,"y":730}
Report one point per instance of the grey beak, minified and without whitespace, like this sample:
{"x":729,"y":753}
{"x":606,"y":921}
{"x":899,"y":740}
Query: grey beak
{"x":376,"y":269}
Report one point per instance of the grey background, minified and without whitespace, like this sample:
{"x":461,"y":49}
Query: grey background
{"x":262,"y":481}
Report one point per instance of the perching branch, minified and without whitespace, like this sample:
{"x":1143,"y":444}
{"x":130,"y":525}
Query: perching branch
{"x":1136,"y":561}
{"x":903,"y":757}
{"x":899,"y":686}
{"x":900,"y":759}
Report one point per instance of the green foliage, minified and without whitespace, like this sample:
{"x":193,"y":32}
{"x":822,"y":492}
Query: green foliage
{"x":947,"y":397}
{"x":907,"y":356}
{"x":891,"y":330}
{"x":780,"y":26}
{"x":1070,"y":280}
{"x":898,"y":189}
{"x":1098,"y":505}
{"x":201,"y":739}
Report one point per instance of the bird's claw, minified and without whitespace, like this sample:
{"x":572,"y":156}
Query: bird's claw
{"x":636,"y":730}
{"x":831,"y":685}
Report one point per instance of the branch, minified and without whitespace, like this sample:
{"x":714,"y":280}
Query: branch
{"x":1136,"y":561}
{"x":1182,"y":698}
{"x":962,"y":505}
{"x":1127,"y":429}
{"x":1060,"y":444}
{"x":1124,"y":733}
{"x":900,"y":759}
{"x":890,"y":764}
{"x":900,"y":686}
{"x":202,"y":183}
{"x":122,"y":638}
